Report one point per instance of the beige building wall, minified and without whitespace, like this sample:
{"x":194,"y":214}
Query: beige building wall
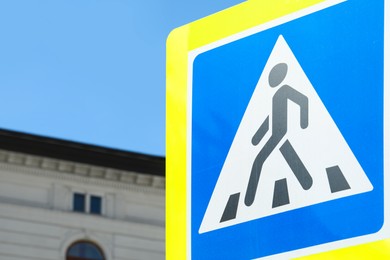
{"x":36,"y":209}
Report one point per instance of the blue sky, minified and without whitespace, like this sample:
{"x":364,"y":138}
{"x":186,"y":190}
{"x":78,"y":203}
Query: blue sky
{"x":91,"y":71}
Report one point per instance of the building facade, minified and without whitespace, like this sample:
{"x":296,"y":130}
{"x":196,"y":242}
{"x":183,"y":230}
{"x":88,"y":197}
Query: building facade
{"x":68,"y":201}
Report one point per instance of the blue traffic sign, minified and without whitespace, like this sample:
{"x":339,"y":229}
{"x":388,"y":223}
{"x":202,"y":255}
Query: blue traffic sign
{"x":335,"y":59}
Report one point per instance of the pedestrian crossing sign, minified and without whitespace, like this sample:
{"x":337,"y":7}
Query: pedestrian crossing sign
{"x":277,"y":115}
{"x":264,"y":182}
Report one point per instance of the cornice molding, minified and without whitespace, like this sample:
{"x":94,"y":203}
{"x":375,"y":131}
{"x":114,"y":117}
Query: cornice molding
{"x":85,"y":173}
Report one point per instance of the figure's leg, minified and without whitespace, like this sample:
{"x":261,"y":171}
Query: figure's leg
{"x":230,"y":211}
{"x":296,"y":165}
{"x":253,"y":180}
{"x":256,"y":169}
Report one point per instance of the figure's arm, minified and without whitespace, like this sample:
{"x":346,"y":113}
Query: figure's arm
{"x":260,"y":133}
{"x":302,"y":101}
{"x":304,"y":112}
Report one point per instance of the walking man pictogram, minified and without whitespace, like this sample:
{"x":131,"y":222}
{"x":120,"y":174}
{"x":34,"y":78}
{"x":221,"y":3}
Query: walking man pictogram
{"x":279,"y":130}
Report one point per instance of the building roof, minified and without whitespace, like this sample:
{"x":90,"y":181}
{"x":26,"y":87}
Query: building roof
{"x":81,"y":153}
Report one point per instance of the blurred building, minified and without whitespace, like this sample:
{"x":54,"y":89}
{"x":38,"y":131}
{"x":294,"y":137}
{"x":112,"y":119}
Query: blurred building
{"x":68,"y":201}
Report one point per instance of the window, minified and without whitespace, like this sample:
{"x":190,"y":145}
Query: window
{"x":84,"y":250}
{"x":87,"y":203}
{"x":79,"y":202}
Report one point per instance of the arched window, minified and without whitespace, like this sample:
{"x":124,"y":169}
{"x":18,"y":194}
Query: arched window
{"x":84,"y":250}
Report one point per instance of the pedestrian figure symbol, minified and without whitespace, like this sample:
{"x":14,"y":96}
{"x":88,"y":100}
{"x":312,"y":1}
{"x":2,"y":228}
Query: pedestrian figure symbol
{"x":279,"y":130}
{"x":287,"y":153}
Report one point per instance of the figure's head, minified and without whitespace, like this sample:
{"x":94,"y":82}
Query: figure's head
{"x":277,"y":74}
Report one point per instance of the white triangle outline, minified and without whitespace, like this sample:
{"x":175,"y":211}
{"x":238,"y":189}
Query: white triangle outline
{"x":322,"y":133}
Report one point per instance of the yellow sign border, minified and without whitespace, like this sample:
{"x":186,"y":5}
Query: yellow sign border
{"x":180,"y":42}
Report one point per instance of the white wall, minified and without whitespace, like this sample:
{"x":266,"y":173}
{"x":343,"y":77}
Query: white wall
{"x":37,"y":222}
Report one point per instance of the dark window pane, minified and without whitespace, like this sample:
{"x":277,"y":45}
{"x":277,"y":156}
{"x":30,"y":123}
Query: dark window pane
{"x":84,"y":250}
{"x":79,"y":202}
{"x":96,"y":205}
